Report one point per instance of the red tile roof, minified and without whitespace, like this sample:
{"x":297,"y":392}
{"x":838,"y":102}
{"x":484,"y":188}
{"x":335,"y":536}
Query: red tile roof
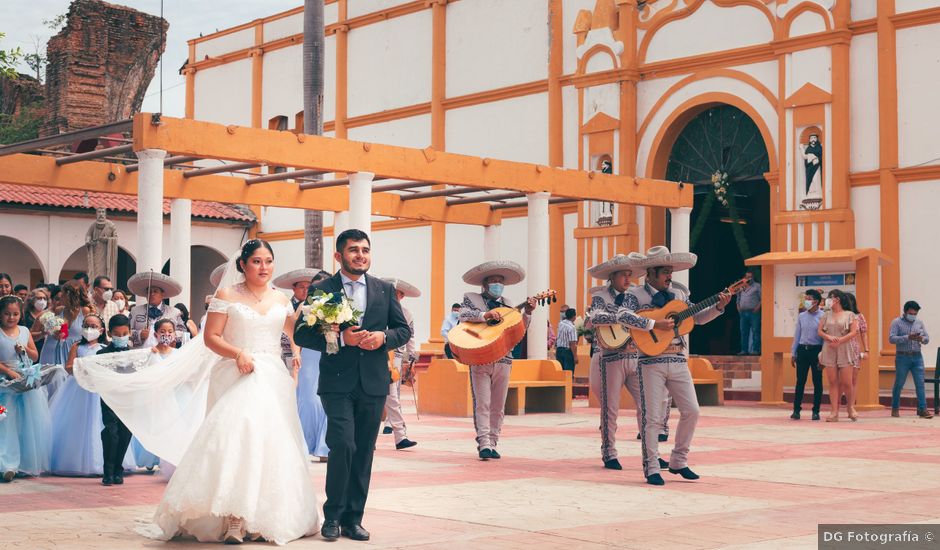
{"x":75,"y":198}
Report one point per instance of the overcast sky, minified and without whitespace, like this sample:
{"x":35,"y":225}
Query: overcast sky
{"x":21,"y":20}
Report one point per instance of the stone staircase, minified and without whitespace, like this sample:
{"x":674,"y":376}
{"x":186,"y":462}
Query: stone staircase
{"x":739,"y":371}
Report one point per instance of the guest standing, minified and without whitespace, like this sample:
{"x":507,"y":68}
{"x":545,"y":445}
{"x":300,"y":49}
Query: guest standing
{"x":908,"y":334}
{"x":749,"y":301}
{"x":567,"y":342}
{"x":837,"y":328}
{"x":804,"y":354}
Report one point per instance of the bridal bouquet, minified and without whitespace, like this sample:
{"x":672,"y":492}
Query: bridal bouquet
{"x":323,"y":309}
{"x":52,"y":324}
{"x":3,"y":412}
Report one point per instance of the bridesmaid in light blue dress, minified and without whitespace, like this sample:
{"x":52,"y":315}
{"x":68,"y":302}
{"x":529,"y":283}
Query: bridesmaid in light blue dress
{"x":76,"y":415}
{"x":55,"y":351}
{"x":309,"y":407}
{"x":25,"y":442}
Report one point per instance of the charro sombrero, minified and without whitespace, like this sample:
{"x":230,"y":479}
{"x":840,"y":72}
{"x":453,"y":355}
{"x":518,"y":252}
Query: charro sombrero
{"x":303,"y":275}
{"x":659,"y":256}
{"x":620,"y":262}
{"x":216,"y":276}
{"x":406,"y":288}
{"x":140,"y":283}
{"x":511,"y":271}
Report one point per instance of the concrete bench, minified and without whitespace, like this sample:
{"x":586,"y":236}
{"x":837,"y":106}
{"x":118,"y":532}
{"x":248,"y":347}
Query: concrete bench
{"x":534,"y":386}
{"x":709,"y":387}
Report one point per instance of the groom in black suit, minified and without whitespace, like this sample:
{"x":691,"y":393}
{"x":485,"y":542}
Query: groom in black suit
{"x":354,"y":382}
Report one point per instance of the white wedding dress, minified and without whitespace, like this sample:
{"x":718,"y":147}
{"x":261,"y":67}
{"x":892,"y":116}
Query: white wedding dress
{"x":236,"y":439}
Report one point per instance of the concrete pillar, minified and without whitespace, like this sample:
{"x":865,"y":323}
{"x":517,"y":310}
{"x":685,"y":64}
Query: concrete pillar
{"x":491,"y":242}
{"x":150,"y":211}
{"x":181,"y":238}
{"x":537,"y":277}
{"x":360,"y":201}
{"x":680,"y":222}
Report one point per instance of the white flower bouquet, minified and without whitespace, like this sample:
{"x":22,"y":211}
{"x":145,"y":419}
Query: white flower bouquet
{"x":322,"y":310}
{"x":52,"y":324}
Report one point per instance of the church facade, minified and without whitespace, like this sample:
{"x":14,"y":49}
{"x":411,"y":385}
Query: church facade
{"x":803,"y":125}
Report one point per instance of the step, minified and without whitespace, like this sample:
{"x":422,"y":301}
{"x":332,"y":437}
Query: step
{"x":908,"y":401}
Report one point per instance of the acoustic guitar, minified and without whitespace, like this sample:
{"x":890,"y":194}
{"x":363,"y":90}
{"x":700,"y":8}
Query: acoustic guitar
{"x":482,"y":343}
{"x":612,"y":337}
{"x":654,"y":342}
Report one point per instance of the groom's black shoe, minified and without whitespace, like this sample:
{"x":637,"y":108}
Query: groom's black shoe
{"x":355,"y":532}
{"x":330,"y":530}
{"x":404,"y":444}
{"x":686,"y":473}
{"x":386,"y":430}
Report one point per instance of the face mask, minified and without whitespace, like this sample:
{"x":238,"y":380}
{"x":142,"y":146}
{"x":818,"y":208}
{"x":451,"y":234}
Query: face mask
{"x":167,"y":339}
{"x":454,"y":314}
{"x":910,"y":318}
{"x":90,"y":334}
{"x":828,"y":303}
{"x":121,"y":341}
{"x":40,"y":305}
{"x":106,"y":295}
{"x":119,"y":304}
{"x":808,"y":304}
{"x":495,"y":289}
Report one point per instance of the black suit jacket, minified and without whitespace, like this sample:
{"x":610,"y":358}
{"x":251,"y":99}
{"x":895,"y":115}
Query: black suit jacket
{"x":341,"y":372}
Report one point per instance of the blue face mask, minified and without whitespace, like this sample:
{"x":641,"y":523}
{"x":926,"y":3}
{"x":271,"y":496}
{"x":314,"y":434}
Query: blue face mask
{"x":495,"y":289}
{"x":910,"y":318}
{"x":454,"y":314}
{"x":121,"y":341}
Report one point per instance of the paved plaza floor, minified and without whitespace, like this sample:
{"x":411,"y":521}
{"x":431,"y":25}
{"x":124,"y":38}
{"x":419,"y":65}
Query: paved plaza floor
{"x":767,"y":481}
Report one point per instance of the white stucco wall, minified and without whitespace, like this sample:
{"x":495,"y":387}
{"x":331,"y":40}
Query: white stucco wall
{"x":231,"y":81}
{"x":864,"y":10}
{"x":569,"y":13}
{"x":505,"y":41}
{"x":225,"y":43}
{"x":807,"y":22}
{"x":390,"y":64}
{"x":406,"y":132}
{"x":917,"y":202}
{"x":918,"y":54}
{"x":903,"y":6}
{"x":522,"y":133}
{"x":866,"y":204}
{"x":355,"y":8}
{"x":726,"y":28}
{"x":405,"y":254}
{"x":863,"y":99}
{"x":570,"y":125}
{"x":282,"y":90}
{"x":813,"y":66}
{"x":286,"y":26}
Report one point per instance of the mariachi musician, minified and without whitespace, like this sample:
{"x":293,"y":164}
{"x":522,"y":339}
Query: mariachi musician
{"x":612,"y":369}
{"x":489,"y":383}
{"x":668,"y":371}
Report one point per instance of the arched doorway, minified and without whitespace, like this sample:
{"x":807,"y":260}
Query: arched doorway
{"x":20,"y":262}
{"x":78,"y":262}
{"x":722,"y":153}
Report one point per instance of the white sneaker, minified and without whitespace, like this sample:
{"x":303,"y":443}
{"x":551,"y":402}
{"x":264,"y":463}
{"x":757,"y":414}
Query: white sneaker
{"x":234,"y":533}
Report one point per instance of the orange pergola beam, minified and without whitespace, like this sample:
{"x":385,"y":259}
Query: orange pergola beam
{"x":280,"y":148}
{"x":23,"y":169}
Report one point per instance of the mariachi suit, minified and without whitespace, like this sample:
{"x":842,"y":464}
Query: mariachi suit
{"x":668,"y":371}
{"x":404,"y":354}
{"x":489,"y":383}
{"x":353,"y":387}
{"x":611,"y":369}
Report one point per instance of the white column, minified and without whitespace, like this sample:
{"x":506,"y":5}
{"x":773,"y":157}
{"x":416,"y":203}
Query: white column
{"x":150,"y":211}
{"x":680,"y":223}
{"x":537,"y":275}
{"x":360,"y":201}
{"x":491,"y":240}
{"x":340,"y":224}
{"x":181,"y":238}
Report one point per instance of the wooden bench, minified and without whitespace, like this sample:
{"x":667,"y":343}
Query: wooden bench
{"x":534,"y":386}
{"x":709,"y":387}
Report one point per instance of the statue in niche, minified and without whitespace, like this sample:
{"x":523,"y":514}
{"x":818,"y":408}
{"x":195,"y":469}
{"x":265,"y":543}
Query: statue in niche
{"x":812,"y":154}
{"x":604,"y":216}
{"x":101,"y":246}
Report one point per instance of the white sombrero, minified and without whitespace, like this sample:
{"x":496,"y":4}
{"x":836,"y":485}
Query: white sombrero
{"x":659,"y":256}
{"x":289,"y":279}
{"x":620,"y":262}
{"x":406,"y":288}
{"x":216,"y":276}
{"x":511,"y":272}
{"x":140,"y":283}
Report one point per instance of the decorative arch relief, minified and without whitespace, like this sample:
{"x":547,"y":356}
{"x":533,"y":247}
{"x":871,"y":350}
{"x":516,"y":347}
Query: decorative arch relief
{"x":783,"y":8}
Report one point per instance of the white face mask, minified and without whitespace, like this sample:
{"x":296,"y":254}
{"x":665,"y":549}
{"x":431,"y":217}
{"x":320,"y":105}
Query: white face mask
{"x":119,"y":304}
{"x":829,"y":303}
{"x":90,"y":334}
{"x":106,"y":295}
{"x":40,"y":305}
{"x":808,"y":304}
{"x":166,"y":339}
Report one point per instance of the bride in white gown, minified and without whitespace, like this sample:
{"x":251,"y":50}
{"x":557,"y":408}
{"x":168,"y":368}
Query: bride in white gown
{"x":225,"y":412}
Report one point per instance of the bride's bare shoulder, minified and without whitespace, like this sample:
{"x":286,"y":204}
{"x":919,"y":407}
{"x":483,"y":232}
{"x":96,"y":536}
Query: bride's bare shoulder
{"x":229,"y":294}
